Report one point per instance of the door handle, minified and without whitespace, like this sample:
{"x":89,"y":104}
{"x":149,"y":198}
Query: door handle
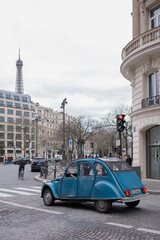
{"x":92,"y":179}
{"x":75,"y":179}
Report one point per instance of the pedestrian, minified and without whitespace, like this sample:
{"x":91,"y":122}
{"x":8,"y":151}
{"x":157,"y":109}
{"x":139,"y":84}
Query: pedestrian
{"x":21,"y":166}
{"x":129,"y":160}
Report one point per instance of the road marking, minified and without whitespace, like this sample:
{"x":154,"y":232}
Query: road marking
{"x":32,"y":208}
{"x":14,"y":191}
{"x":28,"y":189}
{"x":148,"y":230}
{"x":37,"y":187}
{"x":5,"y":195}
{"x":119,"y":225}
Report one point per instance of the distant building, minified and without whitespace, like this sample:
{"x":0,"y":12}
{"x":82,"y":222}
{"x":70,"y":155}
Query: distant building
{"x":141,"y":66}
{"x":16,"y":124}
{"x":27,"y":128}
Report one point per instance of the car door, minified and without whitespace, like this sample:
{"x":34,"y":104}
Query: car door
{"x":69,"y":182}
{"x":85,"y":180}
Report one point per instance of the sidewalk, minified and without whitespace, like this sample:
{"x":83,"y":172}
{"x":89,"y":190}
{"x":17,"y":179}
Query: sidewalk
{"x":152,"y":185}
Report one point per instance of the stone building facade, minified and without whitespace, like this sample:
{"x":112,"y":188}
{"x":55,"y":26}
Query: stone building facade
{"x":141,"y":66}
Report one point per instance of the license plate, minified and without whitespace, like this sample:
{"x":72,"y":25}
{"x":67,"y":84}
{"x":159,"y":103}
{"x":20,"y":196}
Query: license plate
{"x":134,"y":191}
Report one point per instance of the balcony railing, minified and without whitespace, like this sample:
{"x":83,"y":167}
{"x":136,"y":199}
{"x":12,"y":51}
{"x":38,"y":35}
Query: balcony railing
{"x":151,"y":101}
{"x":147,"y":38}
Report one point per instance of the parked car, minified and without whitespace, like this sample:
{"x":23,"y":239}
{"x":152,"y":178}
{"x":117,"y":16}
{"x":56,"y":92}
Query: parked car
{"x":102,"y":181}
{"x":17,"y":161}
{"x":37,"y":163}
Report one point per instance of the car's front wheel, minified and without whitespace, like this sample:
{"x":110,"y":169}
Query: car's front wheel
{"x":103,"y":206}
{"x":132,"y":204}
{"x":48,"y":197}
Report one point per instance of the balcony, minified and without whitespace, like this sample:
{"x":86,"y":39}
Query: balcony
{"x":145,"y":40}
{"x":152,"y":101}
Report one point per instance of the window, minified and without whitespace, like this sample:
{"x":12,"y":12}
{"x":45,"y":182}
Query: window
{"x":9,"y":151}
{"x":154,"y":84}
{"x":18,"y":151}
{"x":33,"y":130}
{"x":155,"y":17}
{"x":9,"y":135}
{"x":1,"y":135}
{"x":33,"y":115}
{"x":1,"y":102}
{"x":26,"y":114}
{"x":18,"y":113}
{"x":25,"y":106}
{"x":1,"y":95}
{"x":18,"y":144}
{"x":24,"y":99}
{"x":2,"y":144}
{"x":9,"y":111}
{"x":16,"y":98}
{"x":72,"y":171}
{"x":9,"y":119}
{"x":26,"y":121}
{"x":9,"y":104}
{"x":2,"y":110}
{"x":17,"y":105}
{"x":33,"y":145}
{"x":27,"y":137}
{"x":2,"y":119}
{"x":18,"y":128}
{"x":100,"y":169}
{"x":18,"y":136}
{"x":27,"y":144}
{"x":8,"y":96}
{"x":85,"y":170}
{"x":10,"y":128}
{"x":2,"y":127}
{"x":10,"y":144}
{"x":18,"y":120}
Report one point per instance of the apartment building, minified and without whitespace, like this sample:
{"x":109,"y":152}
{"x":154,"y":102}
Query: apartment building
{"x":141,"y":66}
{"x":17,"y":128}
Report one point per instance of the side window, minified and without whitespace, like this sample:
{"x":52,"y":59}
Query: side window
{"x":100,"y":169}
{"x":86,"y":170}
{"x":72,"y":171}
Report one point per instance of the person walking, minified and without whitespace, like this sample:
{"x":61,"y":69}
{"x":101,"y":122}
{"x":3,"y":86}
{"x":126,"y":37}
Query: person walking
{"x":129,"y":160}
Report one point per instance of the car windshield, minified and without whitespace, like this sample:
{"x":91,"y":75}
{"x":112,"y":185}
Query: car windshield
{"x":118,"y":166}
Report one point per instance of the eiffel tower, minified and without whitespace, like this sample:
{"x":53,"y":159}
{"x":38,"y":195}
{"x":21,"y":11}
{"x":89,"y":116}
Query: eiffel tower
{"x":19,"y":76}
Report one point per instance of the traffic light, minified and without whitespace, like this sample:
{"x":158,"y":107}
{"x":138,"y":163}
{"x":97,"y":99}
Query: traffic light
{"x":120,"y":122}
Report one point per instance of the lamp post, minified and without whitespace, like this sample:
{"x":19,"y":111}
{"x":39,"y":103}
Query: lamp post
{"x":63,"y":106}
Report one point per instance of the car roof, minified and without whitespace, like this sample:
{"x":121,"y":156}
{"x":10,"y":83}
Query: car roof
{"x":92,"y":160}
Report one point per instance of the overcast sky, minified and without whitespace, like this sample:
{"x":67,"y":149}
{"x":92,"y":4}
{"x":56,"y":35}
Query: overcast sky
{"x":69,"y":48}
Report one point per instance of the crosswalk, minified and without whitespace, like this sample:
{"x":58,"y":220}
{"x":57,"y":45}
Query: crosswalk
{"x":25,"y":191}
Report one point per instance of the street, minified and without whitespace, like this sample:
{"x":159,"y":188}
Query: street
{"x":23,"y":214}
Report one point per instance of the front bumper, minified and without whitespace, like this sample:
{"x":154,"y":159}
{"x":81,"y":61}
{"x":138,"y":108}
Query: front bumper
{"x":132,"y":199}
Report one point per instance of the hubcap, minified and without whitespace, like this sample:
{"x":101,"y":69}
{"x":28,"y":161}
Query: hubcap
{"x":101,"y":204}
{"x":47,"y":197}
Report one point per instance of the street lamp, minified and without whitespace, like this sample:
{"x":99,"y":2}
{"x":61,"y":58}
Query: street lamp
{"x":63,"y":106}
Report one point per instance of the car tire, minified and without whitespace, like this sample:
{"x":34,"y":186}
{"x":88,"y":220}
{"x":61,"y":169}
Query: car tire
{"x":48,"y":197}
{"x":132,"y":204}
{"x":103,"y":206}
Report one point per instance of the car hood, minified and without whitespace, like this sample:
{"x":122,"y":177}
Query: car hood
{"x":128,"y":180}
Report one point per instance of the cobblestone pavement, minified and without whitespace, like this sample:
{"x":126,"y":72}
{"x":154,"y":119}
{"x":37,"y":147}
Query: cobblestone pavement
{"x":17,"y":224}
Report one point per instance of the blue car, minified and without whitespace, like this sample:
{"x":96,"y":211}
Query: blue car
{"x":102,"y":181}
